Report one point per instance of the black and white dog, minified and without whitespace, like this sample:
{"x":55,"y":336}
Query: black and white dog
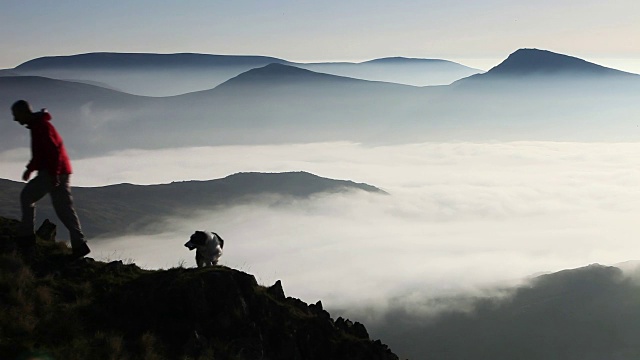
{"x":208,"y":247}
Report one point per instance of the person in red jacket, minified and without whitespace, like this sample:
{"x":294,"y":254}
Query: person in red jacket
{"x":49,"y":158}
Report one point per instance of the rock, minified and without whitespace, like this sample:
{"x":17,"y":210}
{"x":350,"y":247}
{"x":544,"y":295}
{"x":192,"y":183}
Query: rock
{"x":47,"y":231}
{"x":276,"y":291}
{"x":355,"y":329}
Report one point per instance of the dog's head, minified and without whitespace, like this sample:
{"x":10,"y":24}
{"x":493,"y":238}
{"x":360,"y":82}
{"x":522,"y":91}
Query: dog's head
{"x":199,"y":238}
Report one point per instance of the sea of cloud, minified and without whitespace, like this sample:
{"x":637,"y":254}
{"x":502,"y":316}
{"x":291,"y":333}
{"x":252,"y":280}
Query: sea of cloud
{"x":459,"y":217}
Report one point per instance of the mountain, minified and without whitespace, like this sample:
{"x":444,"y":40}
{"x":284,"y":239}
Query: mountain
{"x":174,"y":74}
{"x":403,"y":60}
{"x":128,"y":61}
{"x":533,"y":61}
{"x":146,"y":74}
{"x":7,"y":72}
{"x":85,"y":114}
{"x":586,"y":313}
{"x":54,"y":308}
{"x":533,"y":95}
{"x":541,"y":95}
{"x":291,"y":80}
{"x":272,"y":104}
{"x":127,"y":208}
{"x":401,"y":70}
{"x":283,"y":104}
{"x":526,"y":64}
{"x":274,"y":74}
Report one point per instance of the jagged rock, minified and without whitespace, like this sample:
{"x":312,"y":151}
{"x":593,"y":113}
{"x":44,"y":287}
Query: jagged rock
{"x":276,"y":290}
{"x":47,"y":231}
{"x":214,"y":312}
{"x":317,"y":306}
{"x":355,"y":329}
{"x":318,"y":310}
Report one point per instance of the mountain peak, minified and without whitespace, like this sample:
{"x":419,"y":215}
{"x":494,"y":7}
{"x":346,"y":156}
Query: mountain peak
{"x":544,"y":62}
{"x":545,"y":66}
{"x":275,"y":73}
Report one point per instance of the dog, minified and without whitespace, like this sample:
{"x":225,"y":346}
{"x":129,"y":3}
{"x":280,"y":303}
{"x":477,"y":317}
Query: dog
{"x":208,"y":247}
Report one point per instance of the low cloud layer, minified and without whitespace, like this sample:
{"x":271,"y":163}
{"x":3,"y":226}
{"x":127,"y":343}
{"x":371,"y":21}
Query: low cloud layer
{"x":461,"y":216}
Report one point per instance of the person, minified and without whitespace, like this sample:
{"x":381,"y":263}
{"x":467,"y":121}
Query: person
{"x":49,"y":158}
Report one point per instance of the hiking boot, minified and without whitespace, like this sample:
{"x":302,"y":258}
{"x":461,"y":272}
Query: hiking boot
{"x":80,"y":251}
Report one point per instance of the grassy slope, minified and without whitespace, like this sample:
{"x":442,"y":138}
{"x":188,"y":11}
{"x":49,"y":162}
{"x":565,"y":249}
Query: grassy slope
{"x":91,"y":309}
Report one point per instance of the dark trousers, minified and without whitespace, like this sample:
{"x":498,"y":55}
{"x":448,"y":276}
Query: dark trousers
{"x":62,"y":202}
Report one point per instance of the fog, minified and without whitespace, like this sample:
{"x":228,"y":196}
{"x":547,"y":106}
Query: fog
{"x":460,"y":217}
{"x":164,"y":82}
{"x":279,"y":104}
{"x":472,"y":210}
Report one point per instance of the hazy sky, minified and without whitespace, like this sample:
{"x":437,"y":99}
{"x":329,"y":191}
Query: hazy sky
{"x":475,"y":33}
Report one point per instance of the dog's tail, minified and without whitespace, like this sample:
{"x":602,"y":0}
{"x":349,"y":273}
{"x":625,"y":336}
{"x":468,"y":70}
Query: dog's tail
{"x":220,"y":240}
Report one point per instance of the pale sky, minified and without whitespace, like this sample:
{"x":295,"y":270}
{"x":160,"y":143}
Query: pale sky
{"x":477,"y":33}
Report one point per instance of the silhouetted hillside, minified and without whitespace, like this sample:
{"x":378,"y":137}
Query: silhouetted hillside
{"x":540,"y":95}
{"x":89,"y":116}
{"x":146,"y":74}
{"x":543,"y":65}
{"x":545,"y":96}
{"x":63,"y":94}
{"x":582,"y":314}
{"x":281,"y":103}
{"x":88,"y":309}
{"x":143,"y":61}
{"x":273,"y":74}
{"x":174,"y":74}
{"x":127,"y":208}
{"x":534,"y":61}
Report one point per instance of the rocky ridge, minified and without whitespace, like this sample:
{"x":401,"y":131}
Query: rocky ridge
{"x":54,"y":307}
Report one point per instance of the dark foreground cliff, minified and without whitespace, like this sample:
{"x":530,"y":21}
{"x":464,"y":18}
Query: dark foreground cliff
{"x":87,"y":309}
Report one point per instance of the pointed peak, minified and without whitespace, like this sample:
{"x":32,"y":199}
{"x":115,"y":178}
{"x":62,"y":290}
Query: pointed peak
{"x":543,"y":62}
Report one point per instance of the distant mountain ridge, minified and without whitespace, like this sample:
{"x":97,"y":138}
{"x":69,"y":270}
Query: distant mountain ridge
{"x":535,"y":61}
{"x":276,"y":73}
{"x":112,"y":209}
{"x":175,"y":74}
{"x":591,"y":312}
{"x":123,"y":61}
{"x":281,"y":103}
{"x":402,"y":59}
{"x":283,"y":74}
{"x":526,"y":63}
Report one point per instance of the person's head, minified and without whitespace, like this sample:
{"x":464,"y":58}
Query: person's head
{"x":22,"y":112}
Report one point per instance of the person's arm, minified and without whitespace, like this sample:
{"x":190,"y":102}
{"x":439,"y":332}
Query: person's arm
{"x":45,"y":151}
{"x":36,"y":151}
{"x":26,"y":175}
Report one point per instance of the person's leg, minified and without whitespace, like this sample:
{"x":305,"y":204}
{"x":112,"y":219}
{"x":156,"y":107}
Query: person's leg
{"x":33,"y":191}
{"x":63,"y":205}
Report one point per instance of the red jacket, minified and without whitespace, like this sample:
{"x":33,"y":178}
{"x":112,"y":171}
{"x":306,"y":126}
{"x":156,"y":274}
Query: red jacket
{"x":47,"y":149}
